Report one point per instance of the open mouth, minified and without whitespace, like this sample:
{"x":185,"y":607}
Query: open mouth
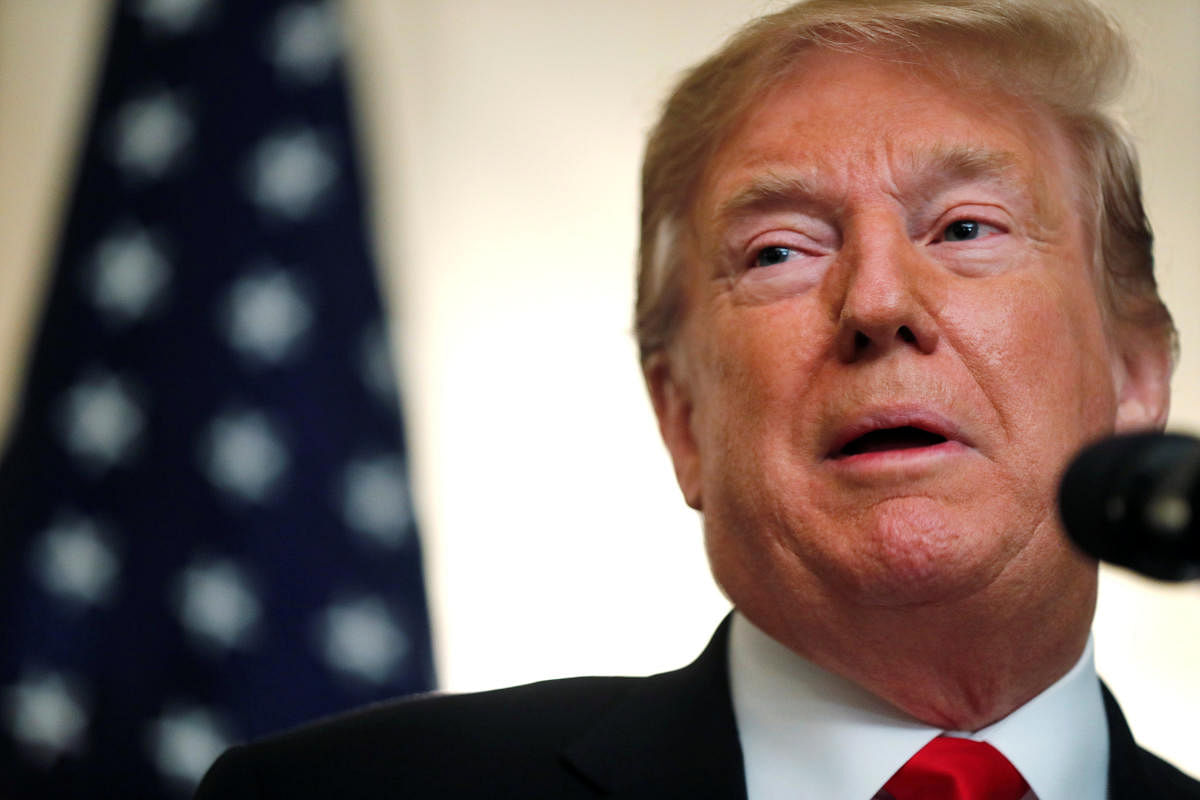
{"x":905,"y":437}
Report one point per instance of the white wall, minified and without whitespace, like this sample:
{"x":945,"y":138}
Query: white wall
{"x":506,"y":138}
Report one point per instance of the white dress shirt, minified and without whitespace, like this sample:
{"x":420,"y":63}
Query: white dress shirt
{"x":807,"y":733}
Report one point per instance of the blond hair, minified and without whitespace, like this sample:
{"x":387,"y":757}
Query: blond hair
{"x":1066,"y":56}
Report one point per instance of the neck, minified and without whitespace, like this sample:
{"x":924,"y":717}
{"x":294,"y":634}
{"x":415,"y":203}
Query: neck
{"x":958,"y":665}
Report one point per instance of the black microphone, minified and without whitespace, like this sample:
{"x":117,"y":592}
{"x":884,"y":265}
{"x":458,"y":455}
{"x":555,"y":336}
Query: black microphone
{"x":1134,"y":501}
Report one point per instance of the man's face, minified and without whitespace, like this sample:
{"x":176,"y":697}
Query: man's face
{"x":892,"y":346}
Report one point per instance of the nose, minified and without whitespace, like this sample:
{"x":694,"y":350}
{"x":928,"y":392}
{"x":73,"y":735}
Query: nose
{"x":884,"y":292}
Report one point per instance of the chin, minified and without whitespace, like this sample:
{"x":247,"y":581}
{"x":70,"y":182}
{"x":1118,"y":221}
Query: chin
{"x":907,"y":554}
{"x":900,"y":589}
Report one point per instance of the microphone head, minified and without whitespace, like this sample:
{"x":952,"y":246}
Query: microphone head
{"x":1134,"y":501}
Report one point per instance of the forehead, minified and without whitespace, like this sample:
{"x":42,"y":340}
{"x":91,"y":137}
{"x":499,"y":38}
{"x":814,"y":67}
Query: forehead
{"x":841,"y":121}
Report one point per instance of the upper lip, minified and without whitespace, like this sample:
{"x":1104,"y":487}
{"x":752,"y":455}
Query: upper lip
{"x":865,"y":422}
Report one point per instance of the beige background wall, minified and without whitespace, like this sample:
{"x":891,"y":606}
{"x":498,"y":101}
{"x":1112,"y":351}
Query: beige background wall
{"x":505,"y":139}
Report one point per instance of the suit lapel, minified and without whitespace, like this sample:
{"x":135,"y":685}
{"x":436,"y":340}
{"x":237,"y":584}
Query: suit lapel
{"x":672,"y":735}
{"x":1125,"y":781}
{"x":1137,"y":774}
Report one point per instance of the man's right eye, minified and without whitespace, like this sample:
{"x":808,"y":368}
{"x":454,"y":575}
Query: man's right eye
{"x":769,"y":256}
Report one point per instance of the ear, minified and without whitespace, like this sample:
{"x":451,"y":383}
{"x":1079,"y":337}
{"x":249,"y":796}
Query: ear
{"x":671,"y":396}
{"x":1142,"y":373}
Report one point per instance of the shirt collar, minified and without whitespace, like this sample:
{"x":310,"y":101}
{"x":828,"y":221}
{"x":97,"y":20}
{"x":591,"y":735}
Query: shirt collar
{"x":801,"y":726}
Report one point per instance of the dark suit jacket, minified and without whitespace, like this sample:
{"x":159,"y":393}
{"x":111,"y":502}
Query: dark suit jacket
{"x":667,"y":736}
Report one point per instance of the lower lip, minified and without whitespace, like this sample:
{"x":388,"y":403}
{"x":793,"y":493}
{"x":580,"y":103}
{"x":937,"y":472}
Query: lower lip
{"x":900,"y":457}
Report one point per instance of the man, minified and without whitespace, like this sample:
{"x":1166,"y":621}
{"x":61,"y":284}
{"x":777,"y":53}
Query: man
{"x":894,"y":272}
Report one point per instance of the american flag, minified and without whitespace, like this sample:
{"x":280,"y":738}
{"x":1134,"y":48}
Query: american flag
{"x":204,"y":506}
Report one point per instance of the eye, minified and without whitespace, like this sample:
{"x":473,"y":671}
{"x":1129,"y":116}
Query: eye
{"x":769,"y":256}
{"x":965,"y":230}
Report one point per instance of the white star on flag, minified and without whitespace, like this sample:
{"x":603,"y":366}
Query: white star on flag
{"x":100,"y":421}
{"x":216,"y":604}
{"x":171,"y":16}
{"x":75,"y":562}
{"x":129,"y":275}
{"x":290,"y":172}
{"x":304,"y":42}
{"x":46,"y":713}
{"x":185,"y":741}
{"x":242,"y":454}
{"x":359,"y":639}
{"x":149,"y":134}
{"x":265,"y":315}
{"x":375,"y":499}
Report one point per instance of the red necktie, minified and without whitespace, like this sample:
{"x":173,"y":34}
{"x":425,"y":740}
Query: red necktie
{"x":949,"y":768}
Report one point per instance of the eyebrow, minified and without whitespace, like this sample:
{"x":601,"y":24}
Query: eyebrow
{"x":768,"y":190}
{"x":942,"y":164}
{"x":930,"y":167}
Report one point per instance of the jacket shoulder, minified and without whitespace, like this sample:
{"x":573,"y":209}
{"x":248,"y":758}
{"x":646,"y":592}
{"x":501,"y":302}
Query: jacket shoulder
{"x":665,"y":736}
{"x":508,"y":740}
{"x":1170,"y":780}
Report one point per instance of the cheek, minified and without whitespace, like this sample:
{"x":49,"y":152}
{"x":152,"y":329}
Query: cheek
{"x":758,"y":365}
{"x":754,"y":369}
{"x":1042,"y":360}
{"x":1071,"y":358}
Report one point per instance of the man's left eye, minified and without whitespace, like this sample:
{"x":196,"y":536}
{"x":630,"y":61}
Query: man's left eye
{"x":964,"y":230}
{"x":770,"y":256}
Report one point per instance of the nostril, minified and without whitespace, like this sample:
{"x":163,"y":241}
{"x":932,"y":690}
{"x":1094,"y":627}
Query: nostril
{"x":906,"y":335}
{"x":861,"y":340}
